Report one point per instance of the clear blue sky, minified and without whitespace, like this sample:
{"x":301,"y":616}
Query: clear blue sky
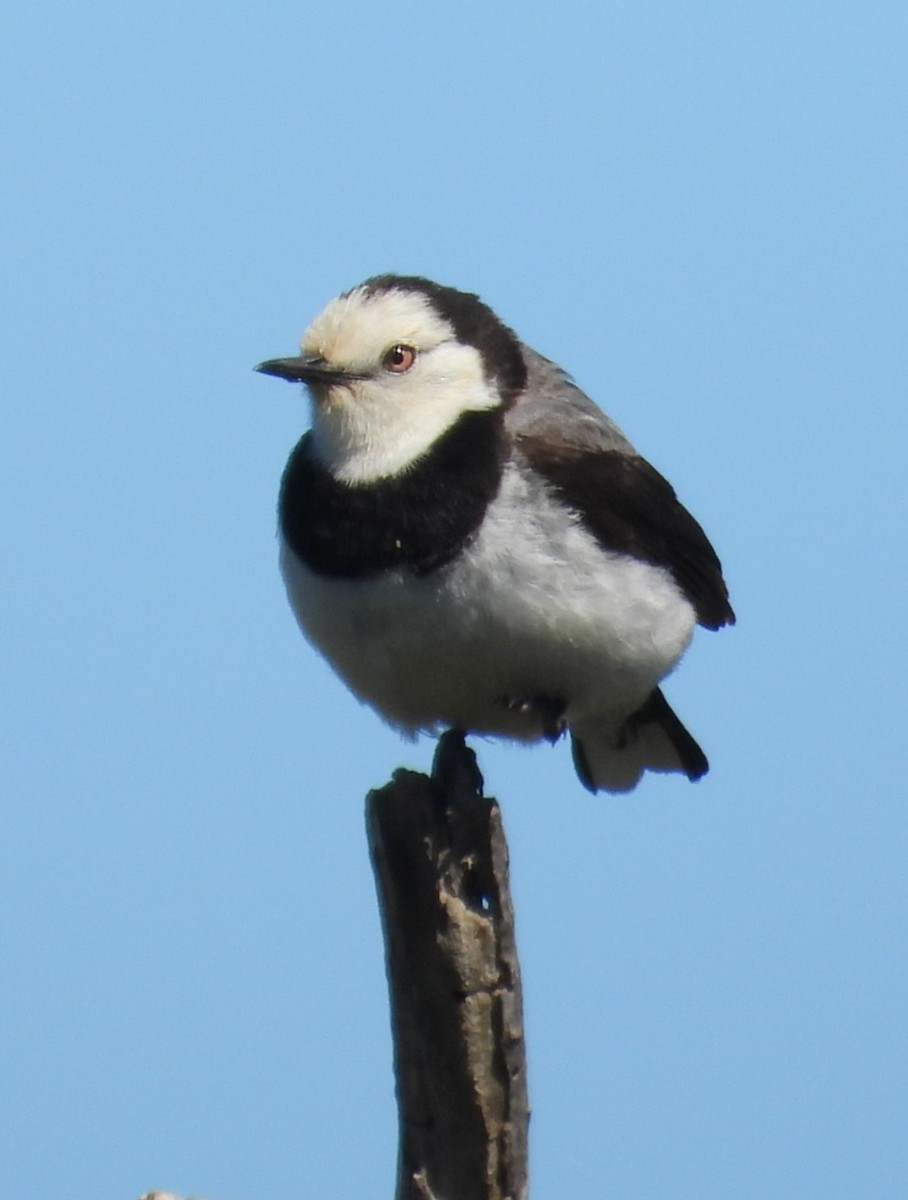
{"x":700,"y":210}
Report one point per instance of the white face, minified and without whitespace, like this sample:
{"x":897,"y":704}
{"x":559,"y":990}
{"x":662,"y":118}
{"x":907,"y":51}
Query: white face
{"x":377,"y":425}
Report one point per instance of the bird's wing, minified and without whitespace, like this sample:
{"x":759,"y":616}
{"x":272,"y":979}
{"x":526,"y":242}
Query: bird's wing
{"x":552,"y":405}
{"x":624,"y":502}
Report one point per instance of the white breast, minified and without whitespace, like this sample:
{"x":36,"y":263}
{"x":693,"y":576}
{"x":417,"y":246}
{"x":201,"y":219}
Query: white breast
{"x":534,"y":607}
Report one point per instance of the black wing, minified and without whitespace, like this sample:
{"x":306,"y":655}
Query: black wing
{"x":628,"y":507}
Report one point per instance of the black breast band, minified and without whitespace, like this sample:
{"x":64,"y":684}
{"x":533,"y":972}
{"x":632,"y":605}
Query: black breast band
{"x":418,"y":520}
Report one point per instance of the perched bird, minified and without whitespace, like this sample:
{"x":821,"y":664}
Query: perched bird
{"x":472,"y":544}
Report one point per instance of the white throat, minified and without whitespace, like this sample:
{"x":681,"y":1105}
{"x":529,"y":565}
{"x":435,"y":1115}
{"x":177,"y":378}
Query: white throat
{"x":377,"y":427}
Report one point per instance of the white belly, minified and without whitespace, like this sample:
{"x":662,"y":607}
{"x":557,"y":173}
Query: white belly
{"x":533,"y":608}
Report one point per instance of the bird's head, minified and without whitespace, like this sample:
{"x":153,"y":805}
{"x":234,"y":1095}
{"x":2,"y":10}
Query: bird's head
{"x":391,"y":366}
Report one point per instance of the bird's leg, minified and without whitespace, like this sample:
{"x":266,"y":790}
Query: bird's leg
{"x":454,"y":765}
{"x":548,"y":710}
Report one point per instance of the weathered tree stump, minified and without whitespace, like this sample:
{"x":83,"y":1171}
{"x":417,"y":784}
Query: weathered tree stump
{"x":441,"y":867}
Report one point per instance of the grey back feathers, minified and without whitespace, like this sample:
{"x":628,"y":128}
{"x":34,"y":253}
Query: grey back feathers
{"x":553,"y":408}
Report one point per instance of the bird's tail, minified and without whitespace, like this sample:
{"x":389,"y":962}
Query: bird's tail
{"x":651,"y":739}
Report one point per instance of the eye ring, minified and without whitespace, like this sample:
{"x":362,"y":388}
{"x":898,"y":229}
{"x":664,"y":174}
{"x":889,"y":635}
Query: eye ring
{"x":399,"y":359}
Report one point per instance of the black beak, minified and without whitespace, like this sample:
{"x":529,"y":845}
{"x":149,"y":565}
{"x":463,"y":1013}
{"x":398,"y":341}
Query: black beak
{"x":305,"y":368}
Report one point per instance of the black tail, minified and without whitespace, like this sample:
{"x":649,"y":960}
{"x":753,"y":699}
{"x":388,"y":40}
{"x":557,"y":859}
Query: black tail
{"x":658,"y":711}
{"x":652,"y":738}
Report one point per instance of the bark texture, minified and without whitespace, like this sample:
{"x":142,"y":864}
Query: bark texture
{"x":441,"y":867}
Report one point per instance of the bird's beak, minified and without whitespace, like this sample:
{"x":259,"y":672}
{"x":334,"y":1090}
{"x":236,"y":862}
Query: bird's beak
{"x":305,"y":368}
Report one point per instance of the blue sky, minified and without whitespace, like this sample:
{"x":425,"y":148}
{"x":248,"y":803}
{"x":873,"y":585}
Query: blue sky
{"x":699,"y":209}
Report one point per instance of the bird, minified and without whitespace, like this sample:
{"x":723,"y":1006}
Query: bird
{"x":474,"y":545}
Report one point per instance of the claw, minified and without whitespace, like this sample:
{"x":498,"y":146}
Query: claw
{"x":548,"y":711}
{"x":454,"y":765}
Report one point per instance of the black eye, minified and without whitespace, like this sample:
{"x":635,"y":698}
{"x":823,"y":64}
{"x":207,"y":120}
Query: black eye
{"x":399,"y":359}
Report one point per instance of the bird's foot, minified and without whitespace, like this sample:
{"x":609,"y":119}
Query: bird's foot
{"x":454,"y":767}
{"x":548,"y":711}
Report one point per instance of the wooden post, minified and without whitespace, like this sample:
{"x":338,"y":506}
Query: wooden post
{"x":441,"y":867}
